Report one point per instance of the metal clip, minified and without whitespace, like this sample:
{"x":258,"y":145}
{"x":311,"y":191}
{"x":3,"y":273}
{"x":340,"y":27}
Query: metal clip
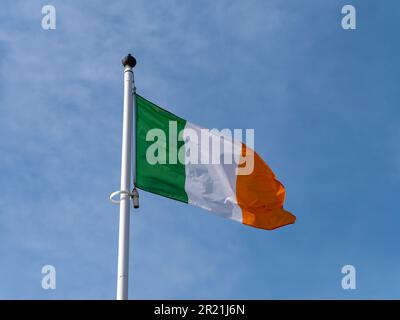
{"x":135,"y":198}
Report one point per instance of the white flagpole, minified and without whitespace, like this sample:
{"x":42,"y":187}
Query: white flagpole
{"x":129,"y":63}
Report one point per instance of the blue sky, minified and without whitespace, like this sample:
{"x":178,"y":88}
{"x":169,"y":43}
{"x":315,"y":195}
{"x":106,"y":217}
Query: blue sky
{"x":324,"y":105}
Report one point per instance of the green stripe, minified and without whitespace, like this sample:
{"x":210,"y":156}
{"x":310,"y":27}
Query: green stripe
{"x":168,"y":179}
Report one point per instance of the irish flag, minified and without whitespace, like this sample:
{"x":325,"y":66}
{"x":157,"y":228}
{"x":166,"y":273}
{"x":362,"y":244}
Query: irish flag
{"x":205,"y":168}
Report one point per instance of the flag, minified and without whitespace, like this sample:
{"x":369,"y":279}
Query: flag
{"x":174,"y":159}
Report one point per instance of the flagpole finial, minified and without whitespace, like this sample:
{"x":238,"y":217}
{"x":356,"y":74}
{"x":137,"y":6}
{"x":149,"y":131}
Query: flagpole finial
{"x":129,"y":60}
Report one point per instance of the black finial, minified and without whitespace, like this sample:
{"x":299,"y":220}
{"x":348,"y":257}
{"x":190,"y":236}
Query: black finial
{"x":129,"y":60}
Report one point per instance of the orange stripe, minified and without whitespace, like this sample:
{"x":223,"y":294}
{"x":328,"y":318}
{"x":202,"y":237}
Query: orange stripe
{"x":260,"y":195}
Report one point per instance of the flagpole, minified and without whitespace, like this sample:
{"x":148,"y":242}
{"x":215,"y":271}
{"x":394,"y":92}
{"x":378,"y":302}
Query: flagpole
{"x":129,"y":63}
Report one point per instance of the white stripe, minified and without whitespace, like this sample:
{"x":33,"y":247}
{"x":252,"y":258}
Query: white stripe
{"x":210,"y":186}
